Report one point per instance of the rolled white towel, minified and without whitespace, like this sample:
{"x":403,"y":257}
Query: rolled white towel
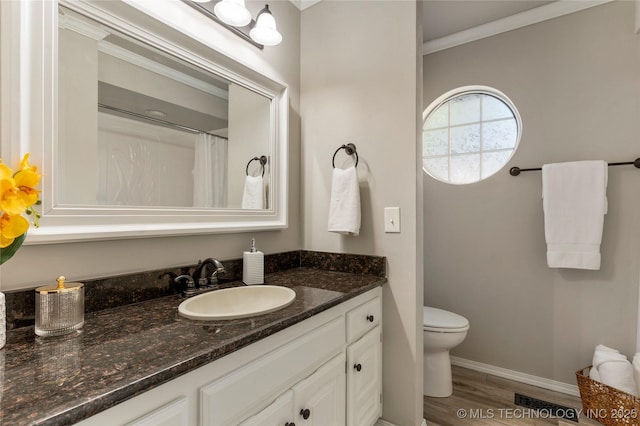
{"x":619,"y":375}
{"x":593,"y":372}
{"x":614,"y":369}
{"x":636,"y":370}
{"x":603,"y":353}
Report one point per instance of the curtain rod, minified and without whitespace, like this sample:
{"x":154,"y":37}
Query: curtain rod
{"x":515,"y":171}
{"x":159,"y":121}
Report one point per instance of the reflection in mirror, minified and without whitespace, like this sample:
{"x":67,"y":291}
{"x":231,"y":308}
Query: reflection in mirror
{"x":141,"y":128}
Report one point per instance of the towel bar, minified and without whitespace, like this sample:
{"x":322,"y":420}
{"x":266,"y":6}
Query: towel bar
{"x":515,"y":171}
{"x":350,"y":149}
{"x":262,"y":159}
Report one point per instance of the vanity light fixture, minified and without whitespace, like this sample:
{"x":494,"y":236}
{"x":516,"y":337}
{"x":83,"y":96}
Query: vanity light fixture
{"x":232,"y":12}
{"x":234,"y":16}
{"x":264,"y":31}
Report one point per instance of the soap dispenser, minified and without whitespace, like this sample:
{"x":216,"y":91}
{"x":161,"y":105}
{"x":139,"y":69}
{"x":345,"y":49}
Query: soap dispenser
{"x":253,"y":265}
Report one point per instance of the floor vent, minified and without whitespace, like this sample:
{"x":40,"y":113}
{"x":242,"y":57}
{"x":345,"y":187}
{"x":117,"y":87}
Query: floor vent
{"x":546,"y":409}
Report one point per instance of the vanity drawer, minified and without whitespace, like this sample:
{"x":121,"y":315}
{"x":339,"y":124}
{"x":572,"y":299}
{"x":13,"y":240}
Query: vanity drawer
{"x":363,"y":318}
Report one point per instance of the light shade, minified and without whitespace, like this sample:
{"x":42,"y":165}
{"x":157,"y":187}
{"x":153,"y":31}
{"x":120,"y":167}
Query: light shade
{"x":265,"y":32}
{"x":232,"y":12}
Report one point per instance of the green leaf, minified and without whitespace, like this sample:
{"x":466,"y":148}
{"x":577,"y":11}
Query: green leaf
{"x":8,"y":252}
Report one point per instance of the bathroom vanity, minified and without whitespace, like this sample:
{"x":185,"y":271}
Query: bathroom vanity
{"x":316,"y":361}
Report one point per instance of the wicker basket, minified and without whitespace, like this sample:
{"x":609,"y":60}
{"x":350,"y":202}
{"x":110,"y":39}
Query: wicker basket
{"x":607,"y":405}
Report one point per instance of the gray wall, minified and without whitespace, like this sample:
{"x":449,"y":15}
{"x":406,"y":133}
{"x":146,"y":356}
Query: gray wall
{"x":359,"y":85}
{"x":34,"y":265}
{"x":575,"y":81}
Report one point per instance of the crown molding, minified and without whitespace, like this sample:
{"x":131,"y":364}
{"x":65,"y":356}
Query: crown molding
{"x":304,"y":4}
{"x":68,"y":22}
{"x":519,"y":20}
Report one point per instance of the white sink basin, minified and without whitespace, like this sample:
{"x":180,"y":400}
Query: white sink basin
{"x":237,"y":302}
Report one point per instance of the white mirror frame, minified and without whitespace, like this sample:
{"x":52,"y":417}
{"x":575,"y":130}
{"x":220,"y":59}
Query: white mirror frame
{"x":28,"y":122}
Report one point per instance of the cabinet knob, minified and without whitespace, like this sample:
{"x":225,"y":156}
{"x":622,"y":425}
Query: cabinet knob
{"x":370,"y":318}
{"x":358,"y":367}
{"x":305,"y":413}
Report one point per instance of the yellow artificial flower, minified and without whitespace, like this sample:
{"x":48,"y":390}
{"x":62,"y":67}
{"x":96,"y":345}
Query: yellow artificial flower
{"x":27,"y":178}
{"x":9,"y":200}
{"x":17,"y":191}
{"x":11,"y":227}
{"x":17,"y":197}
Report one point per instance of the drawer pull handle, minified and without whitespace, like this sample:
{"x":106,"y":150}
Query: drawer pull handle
{"x":358,"y":367}
{"x":305,"y":413}
{"x":370,"y":318}
{"x":289,"y":424}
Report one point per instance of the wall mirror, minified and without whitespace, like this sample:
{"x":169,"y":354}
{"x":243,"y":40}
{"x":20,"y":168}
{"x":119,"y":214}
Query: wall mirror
{"x":144,"y":131}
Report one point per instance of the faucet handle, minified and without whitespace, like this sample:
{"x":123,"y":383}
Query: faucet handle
{"x":191,"y":285}
{"x":218,"y":273}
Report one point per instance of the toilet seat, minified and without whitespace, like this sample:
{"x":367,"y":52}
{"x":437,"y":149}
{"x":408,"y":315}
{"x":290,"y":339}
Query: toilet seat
{"x":441,"y":321}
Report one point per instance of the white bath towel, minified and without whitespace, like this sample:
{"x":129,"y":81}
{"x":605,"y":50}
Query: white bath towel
{"x":344,"y":205}
{"x":575,"y":202}
{"x":253,"y":196}
{"x":614,"y":369}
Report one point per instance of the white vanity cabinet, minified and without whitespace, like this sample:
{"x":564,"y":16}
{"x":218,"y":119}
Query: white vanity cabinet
{"x":303,"y":375}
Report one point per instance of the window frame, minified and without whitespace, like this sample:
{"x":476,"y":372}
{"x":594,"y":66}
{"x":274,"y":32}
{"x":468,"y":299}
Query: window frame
{"x":464,"y":91}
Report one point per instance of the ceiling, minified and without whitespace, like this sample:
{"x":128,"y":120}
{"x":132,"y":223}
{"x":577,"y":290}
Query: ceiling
{"x":445,"y":17}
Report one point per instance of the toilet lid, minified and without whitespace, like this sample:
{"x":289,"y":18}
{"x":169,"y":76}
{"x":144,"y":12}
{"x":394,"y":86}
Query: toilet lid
{"x":434,"y":318}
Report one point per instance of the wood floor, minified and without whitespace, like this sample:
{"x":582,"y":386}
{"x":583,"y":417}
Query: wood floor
{"x":483,"y":399}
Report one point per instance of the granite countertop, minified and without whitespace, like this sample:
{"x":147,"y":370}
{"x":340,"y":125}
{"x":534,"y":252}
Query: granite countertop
{"x":125,"y":351}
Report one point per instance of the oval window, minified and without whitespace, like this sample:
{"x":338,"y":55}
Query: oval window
{"x":469,"y":134}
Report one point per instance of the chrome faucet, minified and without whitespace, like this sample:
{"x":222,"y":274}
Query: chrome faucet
{"x":200,"y":276}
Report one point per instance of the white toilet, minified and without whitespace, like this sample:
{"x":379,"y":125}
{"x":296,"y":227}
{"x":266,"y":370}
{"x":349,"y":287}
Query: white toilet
{"x":442,"y":331}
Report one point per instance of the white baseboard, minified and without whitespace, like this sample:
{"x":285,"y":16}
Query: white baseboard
{"x":517,"y":376}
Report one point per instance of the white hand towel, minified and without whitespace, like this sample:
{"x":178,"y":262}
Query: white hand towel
{"x":574,"y":200}
{"x":253,"y":196}
{"x":344,"y":205}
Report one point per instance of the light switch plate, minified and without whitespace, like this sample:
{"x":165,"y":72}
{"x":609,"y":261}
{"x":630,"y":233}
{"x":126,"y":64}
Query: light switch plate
{"x":391,"y":219}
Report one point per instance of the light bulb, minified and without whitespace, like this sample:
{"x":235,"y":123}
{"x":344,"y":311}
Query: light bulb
{"x":265,"y":32}
{"x":232,"y":12}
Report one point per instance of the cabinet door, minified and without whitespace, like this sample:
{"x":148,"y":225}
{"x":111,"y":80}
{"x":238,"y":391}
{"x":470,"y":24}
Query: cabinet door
{"x":320,"y":398}
{"x":280,"y":413}
{"x":364,"y":379}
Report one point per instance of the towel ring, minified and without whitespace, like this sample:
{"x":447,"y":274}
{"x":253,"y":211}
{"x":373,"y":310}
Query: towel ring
{"x":350,"y":149}
{"x":262,"y":159}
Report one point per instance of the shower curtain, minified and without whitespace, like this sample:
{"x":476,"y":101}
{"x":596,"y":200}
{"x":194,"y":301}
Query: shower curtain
{"x":210,"y":171}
